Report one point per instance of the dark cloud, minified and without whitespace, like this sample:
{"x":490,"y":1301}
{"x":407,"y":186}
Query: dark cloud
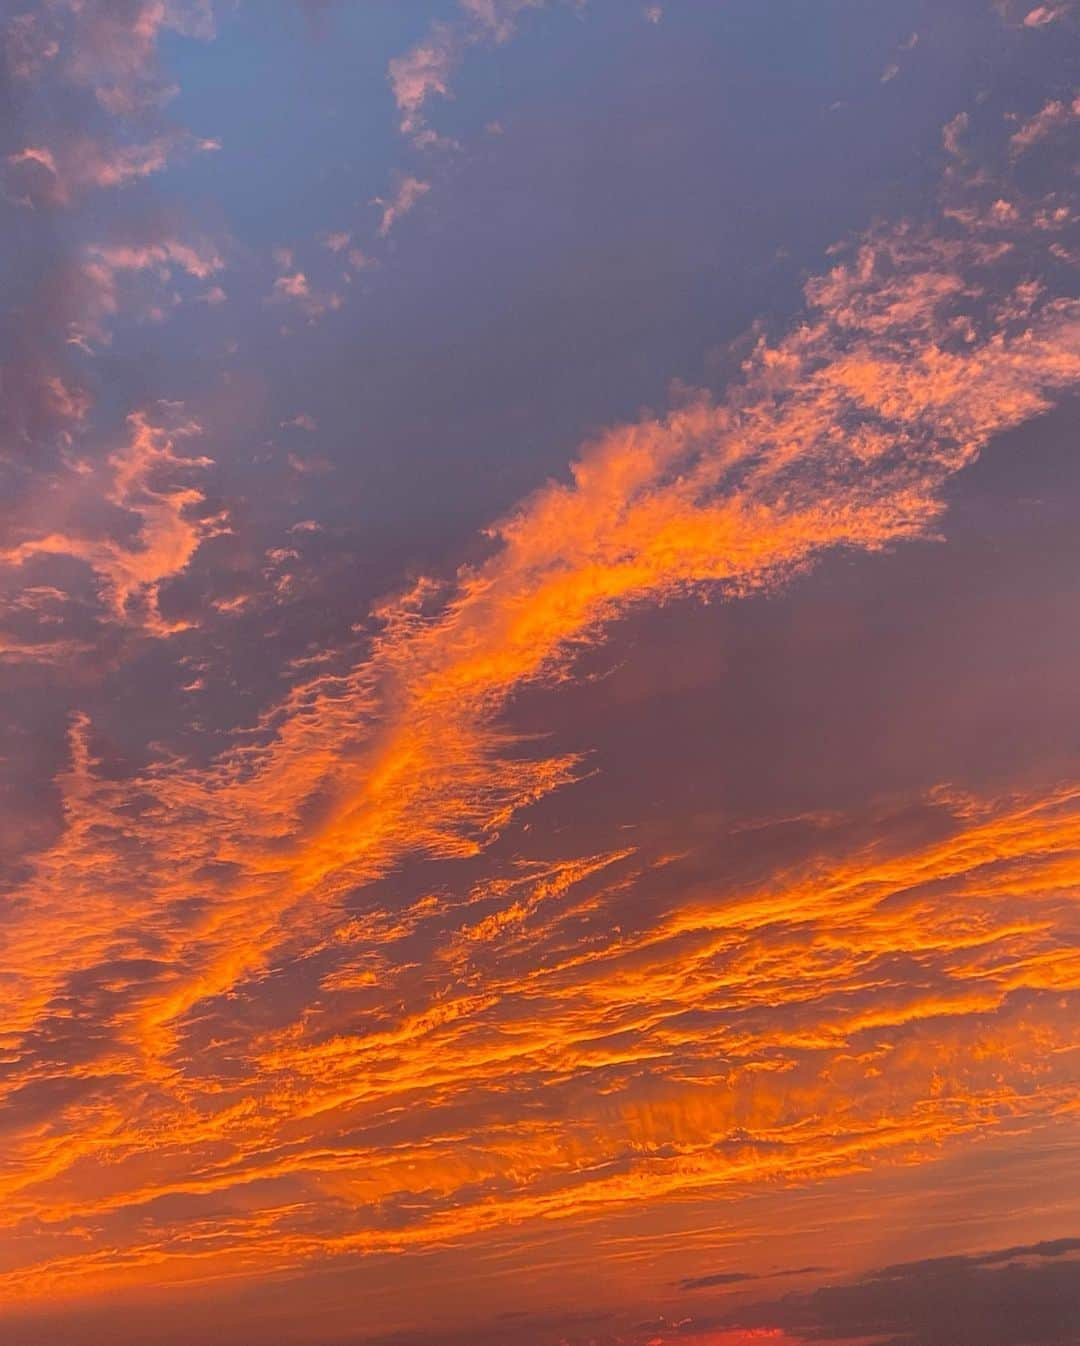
{"x":1028,"y":1295}
{"x":740,"y":1277}
{"x":719,"y":1278}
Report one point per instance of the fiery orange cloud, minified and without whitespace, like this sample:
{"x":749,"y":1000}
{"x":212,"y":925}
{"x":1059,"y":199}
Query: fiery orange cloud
{"x":756,"y":1033}
{"x":766,"y":1056}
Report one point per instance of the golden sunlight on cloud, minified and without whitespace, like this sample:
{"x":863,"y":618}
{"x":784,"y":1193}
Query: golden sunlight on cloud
{"x":782,"y":1039}
{"x":741,"y":1034}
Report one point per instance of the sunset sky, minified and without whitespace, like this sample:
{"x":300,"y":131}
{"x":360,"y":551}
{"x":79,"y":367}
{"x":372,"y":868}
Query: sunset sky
{"x":539,"y":673}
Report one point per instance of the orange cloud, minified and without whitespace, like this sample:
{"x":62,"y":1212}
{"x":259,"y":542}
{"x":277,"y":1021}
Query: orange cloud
{"x":749,"y":1035}
{"x":870,"y":1004}
{"x":168,"y":534}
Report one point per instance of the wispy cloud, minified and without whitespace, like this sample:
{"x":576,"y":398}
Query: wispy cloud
{"x":173,"y":893}
{"x":55,"y":176}
{"x":422,"y":73}
{"x":425,"y":70}
{"x":1053,"y":116}
{"x":141,"y":482}
{"x":409,"y":192}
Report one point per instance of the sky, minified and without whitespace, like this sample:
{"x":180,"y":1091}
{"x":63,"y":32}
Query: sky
{"x":540,"y":755}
